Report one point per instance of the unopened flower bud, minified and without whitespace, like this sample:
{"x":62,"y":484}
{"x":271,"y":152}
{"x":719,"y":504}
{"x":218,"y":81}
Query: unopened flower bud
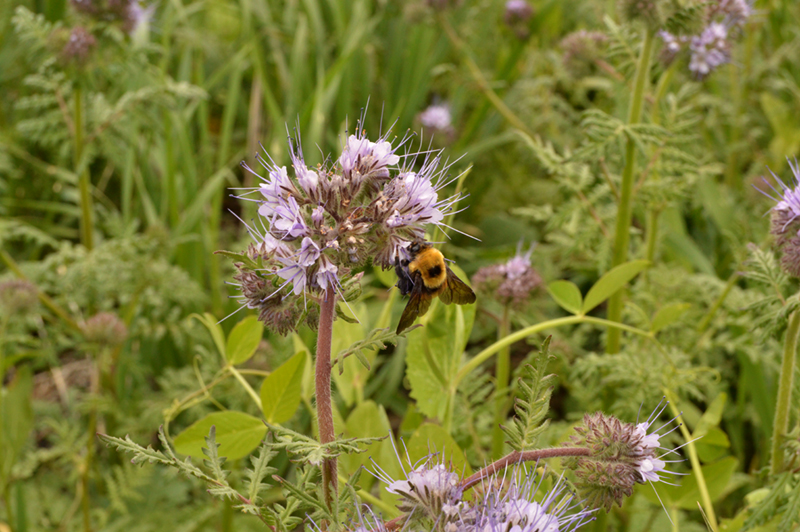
{"x":512,"y":282}
{"x":79,"y":45}
{"x":516,"y":16}
{"x":646,"y":11}
{"x":17,"y":296}
{"x":105,"y":329}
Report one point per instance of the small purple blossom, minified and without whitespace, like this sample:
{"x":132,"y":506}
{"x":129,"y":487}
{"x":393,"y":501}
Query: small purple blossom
{"x":785,"y":219}
{"x":436,"y":117}
{"x":709,"y":50}
{"x":512,"y":282}
{"x":316,"y":224}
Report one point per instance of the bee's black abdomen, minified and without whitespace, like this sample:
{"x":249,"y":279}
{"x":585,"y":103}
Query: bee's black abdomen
{"x":434,"y":271}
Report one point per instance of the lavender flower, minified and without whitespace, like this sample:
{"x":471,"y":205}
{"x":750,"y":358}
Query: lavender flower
{"x":512,"y":282}
{"x":516,"y":16}
{"x":785,"y":220}
{"x":624,"y":454}
{"x":437,"y":119}
{"x":316,"y":224}
{"x":79,"y":45}
{"x":709,"y":50}
{"x":512,"y":506}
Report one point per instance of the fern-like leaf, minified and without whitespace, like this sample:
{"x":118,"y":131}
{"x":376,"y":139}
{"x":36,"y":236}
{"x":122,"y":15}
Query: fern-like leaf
{"x":534,"y":403}
{"x":375,"y":340}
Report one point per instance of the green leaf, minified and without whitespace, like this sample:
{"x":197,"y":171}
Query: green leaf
{"x":386,"y":277}
{"x":711,"y":417}
{"x":16,"y":421}
{"x":237,"y":434}
{"x":281,"y":391}
{"x":243,"y":340}
{"x":351,"y":376}
{"x":429,"y":439}
{"x":667,"y":315}
{"x":686,"y":495}
{"x":369,"y":420}
{"x":612,"y":281}
{"x":713,"y":446}
{"x":214,"y":329}
{"x":434,"y":354}
{"x":567,"y":295}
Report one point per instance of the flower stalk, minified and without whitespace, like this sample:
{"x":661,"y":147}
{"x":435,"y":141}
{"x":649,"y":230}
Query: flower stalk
{"x":625,"y":210}
{"x":323,"y":393}
{"x":84,"y":182}
{"x":502,"y":376}
{"x":783,"y":406}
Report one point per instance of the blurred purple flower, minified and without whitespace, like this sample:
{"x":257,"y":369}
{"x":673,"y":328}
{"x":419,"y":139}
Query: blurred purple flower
{"x":709,"y":50}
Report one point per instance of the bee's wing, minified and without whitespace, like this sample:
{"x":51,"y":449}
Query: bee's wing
{"x":418,"y":305}
{"x":456,"y":290}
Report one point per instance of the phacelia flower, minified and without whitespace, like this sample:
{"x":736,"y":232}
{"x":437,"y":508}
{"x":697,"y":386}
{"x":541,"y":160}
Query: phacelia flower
{"x":623,"y":455}
{"x":709,"y":50}
{"x":516,"y":16}
{"x":511,"y":282}
{"x":129,"y":14}
{"x":105,"y":329}
{"x":512,"y":505}
{"x":17,"y":297}
{"x":732,"y":13}
{"x":316,"y":224}
{"x":581,"y":49}
{"x":79,"y":45}
{"x":437,"y":120}
{"x":785,"y":220}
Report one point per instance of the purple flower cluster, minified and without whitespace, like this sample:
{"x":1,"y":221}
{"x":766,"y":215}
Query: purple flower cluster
{"x":128,"y":13}
{"x":432,"y":498}
{"x":511,"y":282}
{"x":711,"y":48}
{"x":785,"y":220}
{"x":623,"y":455}
{"x":318,"y":223}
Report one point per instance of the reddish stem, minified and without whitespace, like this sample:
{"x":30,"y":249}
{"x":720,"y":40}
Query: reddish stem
{"x":330,"y":484}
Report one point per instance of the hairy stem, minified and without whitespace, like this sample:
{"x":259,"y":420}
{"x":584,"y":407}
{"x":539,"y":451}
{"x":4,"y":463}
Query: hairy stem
{"x":84,"y":183}
{"x":782,"y":408}
{"x":517,"y":457}
{"x":502,"y":375}
{"x":323,"y":392}
{"x":625,"y":210}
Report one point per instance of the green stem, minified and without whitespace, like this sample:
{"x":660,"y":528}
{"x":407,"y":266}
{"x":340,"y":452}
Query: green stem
{"x":323,"y":393}
{"x":652,"y":233}
{"x":484,"y":355}
{"x":246,"y":385}
{"x":84,"y":183}
{"x":705,"y":498}
{"x":706,"y":321}
{"x":625,"y":211}
{"x":782,"y":408}
{"x":502,"y":376}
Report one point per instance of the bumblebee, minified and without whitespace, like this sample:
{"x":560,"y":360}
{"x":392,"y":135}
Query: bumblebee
{"x":425,"y":276}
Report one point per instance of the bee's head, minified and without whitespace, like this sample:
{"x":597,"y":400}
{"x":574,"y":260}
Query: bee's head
{"x":414,"y":248}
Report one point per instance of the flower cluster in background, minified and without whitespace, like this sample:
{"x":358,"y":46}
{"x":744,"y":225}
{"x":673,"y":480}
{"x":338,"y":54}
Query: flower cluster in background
{"x":785,"y":220}
{"x":711,"y":47}
{"x":512,"y":282}
{"x":317,"y":224}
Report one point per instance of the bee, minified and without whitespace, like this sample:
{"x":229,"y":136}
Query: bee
{"x":424,"y":277}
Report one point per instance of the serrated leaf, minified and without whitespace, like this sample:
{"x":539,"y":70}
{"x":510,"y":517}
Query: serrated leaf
{"x":612,"y":281}
{"x":281,"y":391}
{"x":237,"y":434}
{"x":667,"y":315}
{"x":243,"y":340}
{"x":567,"y":295}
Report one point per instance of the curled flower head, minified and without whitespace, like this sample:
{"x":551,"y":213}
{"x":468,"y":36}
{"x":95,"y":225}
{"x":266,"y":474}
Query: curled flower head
{"x":17,"y":296}
{"x":623,"y":455}
{"x":79,"y":45}
{"x":511,"y":282}
{"x":105,"y":329}
{"x":647,"y":11}
{"x":581,"y":49}
{"x":785,"y":220}
{"x":516,"y":16}
{"x":316,"y":224}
